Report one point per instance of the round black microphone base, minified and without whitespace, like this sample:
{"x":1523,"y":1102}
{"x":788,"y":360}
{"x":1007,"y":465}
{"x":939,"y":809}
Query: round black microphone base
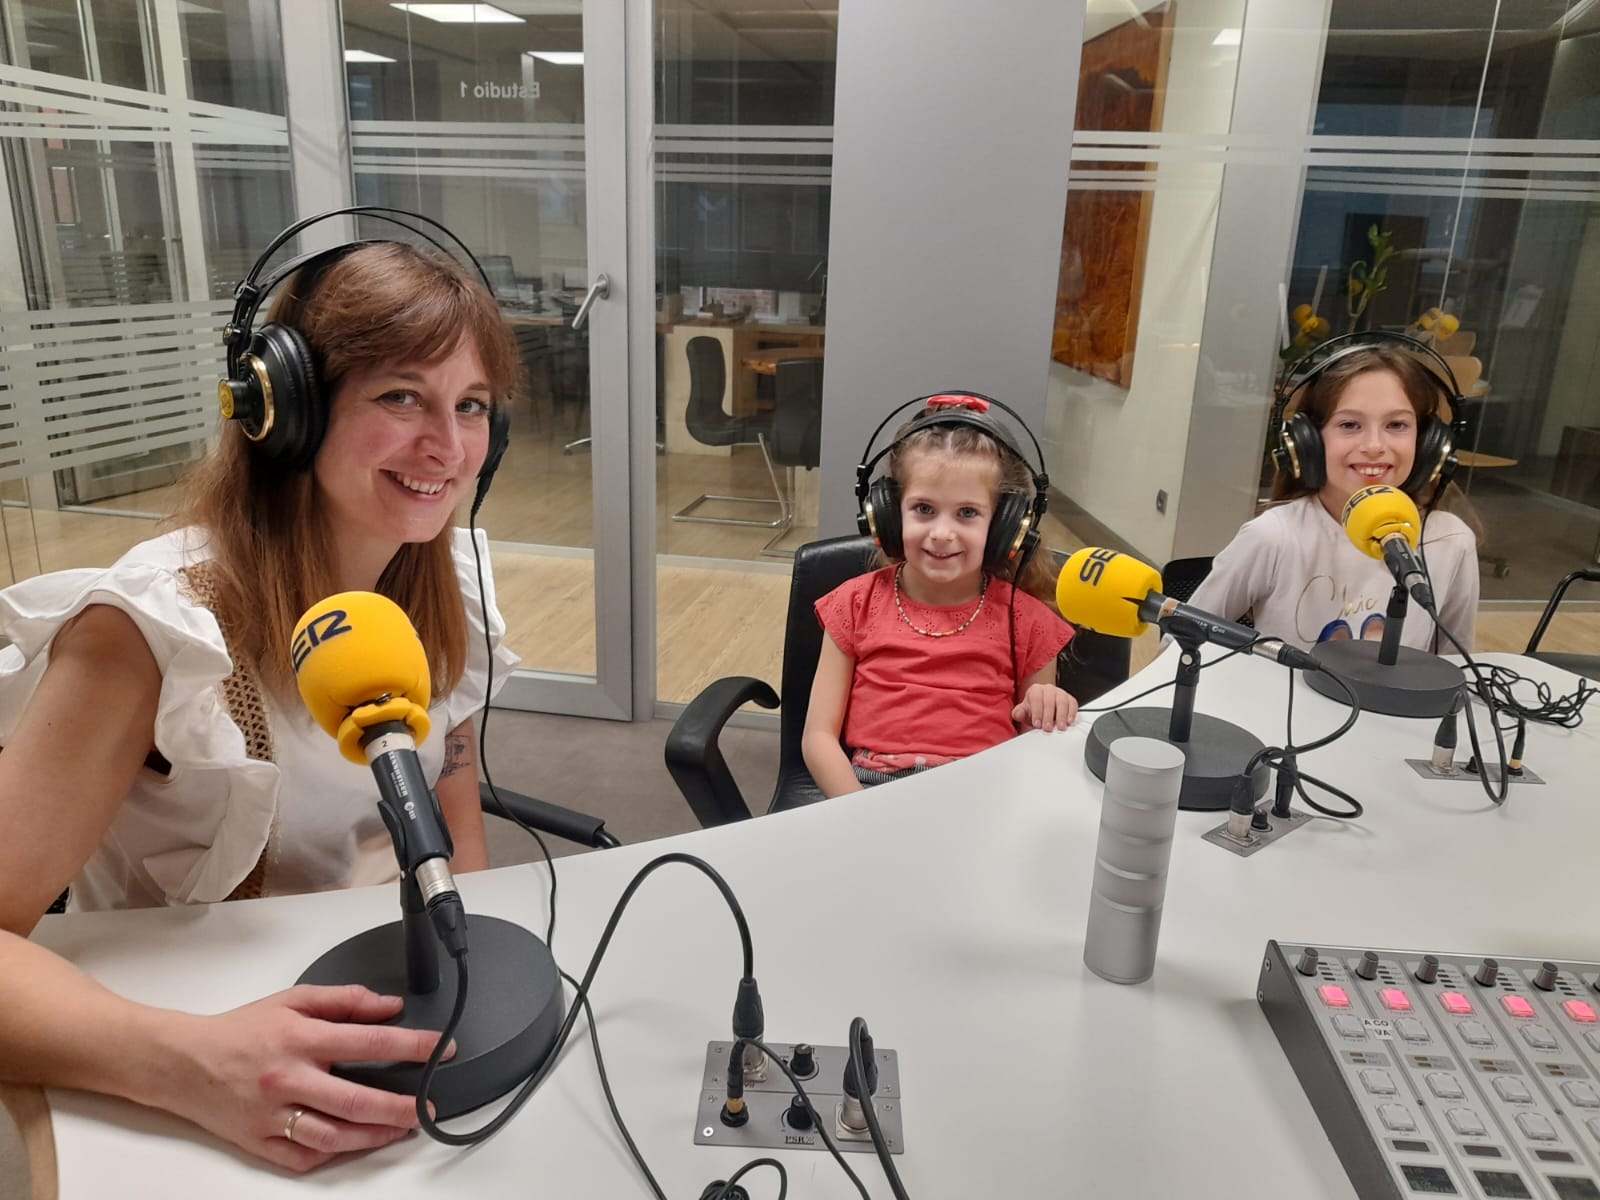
{"x":514,"y":1009}
{"x":1214,"y":757}
{"x":1416,"y":684}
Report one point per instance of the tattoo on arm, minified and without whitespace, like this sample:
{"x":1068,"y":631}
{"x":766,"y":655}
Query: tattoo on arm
{"x":457,"y":753}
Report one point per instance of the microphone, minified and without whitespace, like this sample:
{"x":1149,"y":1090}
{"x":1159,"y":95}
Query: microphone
{"x":1116,"y":594}
{"x":364,"y":676}
{"x":1383,"y":522}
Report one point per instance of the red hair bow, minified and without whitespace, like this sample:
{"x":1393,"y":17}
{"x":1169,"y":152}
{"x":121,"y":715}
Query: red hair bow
{"x":976,"y":403}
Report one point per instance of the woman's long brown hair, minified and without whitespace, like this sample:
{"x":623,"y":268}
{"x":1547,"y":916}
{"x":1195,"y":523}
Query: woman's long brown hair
{"x":272,"y":551}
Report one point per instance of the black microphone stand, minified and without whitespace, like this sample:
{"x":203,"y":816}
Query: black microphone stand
{"x":507,"y":1028}
{"x":1215,"y":752}
{"x":1386,"y":676}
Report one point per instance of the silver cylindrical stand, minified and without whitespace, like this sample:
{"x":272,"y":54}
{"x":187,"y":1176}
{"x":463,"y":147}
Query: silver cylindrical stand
{"x":1137,"y":816}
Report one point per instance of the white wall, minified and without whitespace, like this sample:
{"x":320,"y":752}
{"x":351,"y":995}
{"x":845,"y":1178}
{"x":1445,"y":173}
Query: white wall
{"x":953,"y":126}
{"x":1111,"y":449}
{"x":1192,"y":424}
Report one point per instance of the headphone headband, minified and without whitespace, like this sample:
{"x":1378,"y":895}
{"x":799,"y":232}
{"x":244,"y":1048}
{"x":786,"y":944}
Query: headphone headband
{"x":1346,"y":344}
{"x":249,"y":295}
{"x":954,"y":415}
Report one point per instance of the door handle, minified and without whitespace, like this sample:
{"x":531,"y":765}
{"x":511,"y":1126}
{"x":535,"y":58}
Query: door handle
{"x":598,"y":290}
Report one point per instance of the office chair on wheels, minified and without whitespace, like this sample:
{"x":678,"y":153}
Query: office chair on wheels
{"x":709,"y":424}
{"x":1091,"y":664}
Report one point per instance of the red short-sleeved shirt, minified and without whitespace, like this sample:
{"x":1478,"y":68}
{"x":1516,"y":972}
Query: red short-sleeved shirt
{"x":935,"y":699}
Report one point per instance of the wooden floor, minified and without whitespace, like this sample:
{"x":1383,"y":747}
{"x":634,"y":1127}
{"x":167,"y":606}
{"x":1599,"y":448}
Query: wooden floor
{"x":720,"y":604}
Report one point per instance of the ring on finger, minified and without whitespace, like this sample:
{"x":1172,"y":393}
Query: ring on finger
{"x":294,"y":1119}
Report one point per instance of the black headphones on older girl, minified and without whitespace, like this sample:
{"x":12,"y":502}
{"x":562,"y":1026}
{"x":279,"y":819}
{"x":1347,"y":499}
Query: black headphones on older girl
{"x":1014,"y":529}
{"x":273,"y":387}
{"x":1297,"y":451}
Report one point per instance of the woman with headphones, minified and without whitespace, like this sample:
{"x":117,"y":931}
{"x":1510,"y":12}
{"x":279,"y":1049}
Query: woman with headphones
{"x":367,"y":410}
{"x":944,"y":652}
{"x":1365,"y":412}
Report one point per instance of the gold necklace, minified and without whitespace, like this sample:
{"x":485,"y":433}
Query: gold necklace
{"x":983,"y":589}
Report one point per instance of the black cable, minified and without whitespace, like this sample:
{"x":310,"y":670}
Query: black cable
{"x":858,"y":1035}
{"x":483,"y":733}
{"x":1161,"y":686}
{"x":1285,"y":758}
{"x":816,"y":1120}
{"x":611,"y":1100}
{"x":498,"y":1122}
{"x":1496,"y":793}
{"x":727,"y":1188}
{"x":1497,"y":682}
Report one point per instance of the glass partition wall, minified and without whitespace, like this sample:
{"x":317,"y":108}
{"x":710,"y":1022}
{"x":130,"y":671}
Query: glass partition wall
{"x":743,"y":147}
{"x":146,"y":154}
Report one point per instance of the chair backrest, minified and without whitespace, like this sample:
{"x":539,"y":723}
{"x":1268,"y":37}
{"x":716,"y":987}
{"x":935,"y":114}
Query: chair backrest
{"x":708,"y":379}
{"x":819,"y":567}
{"x":797,"y":417}
{"x":1092,"y":663}
{"x":1181,"y":576}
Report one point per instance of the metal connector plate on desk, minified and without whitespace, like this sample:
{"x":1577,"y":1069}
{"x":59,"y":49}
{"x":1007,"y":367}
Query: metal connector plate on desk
{"x":1425,"y":768}
{"x":1258,"y":837}
{"x":768,"y":1101}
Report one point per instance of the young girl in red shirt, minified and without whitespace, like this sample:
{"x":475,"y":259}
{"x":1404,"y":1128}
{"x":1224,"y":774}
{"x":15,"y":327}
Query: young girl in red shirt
{"x":937,"y":655}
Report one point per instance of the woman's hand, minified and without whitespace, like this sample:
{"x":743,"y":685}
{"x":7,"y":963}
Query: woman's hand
{"x":1045,"y":706}
{"x":244,"y":1074}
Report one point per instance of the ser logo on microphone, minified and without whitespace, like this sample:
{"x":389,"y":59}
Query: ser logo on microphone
{"x":1094,"y":566}
{"x":318,"y":630}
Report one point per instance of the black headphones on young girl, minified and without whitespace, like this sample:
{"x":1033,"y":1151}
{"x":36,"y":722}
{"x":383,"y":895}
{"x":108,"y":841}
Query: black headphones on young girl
{"x":1014,"y":530}
{"x":1297,"y":451}
{"x":273,"y":388}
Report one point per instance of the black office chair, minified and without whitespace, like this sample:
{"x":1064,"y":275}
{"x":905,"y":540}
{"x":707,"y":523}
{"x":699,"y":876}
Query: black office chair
{"x":1578,"y":664}
{"x":1090,"y":665}
{"x":709,"y":424}
{"x":1181,"y":576}
{"x":796,"y":433}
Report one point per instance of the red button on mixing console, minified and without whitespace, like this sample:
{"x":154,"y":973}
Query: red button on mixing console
{"x":1455,"y":1002}
{"x":1516,"y":1006}
{"x":1579,"y":1011}
{"x":1395,"y":1000}
{"x":1333,"y":996}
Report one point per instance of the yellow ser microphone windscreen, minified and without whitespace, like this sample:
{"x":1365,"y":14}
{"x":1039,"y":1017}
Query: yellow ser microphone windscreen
{"x":357,"y":660}
{"x":1374,"y":513}
{"x":1102,"y":590}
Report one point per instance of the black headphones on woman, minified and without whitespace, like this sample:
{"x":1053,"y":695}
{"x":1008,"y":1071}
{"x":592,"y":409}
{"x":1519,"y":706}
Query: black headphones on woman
{"x":273,"y":388}
{"x":1014,"y":529}
{"x":1297,"y":451}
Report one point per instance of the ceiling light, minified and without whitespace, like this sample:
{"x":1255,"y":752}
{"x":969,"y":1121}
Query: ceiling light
{"x":1227,"y":37}
{"x":562,"y":58}
{"x":364,"y":56}
{"x":462,"y":14}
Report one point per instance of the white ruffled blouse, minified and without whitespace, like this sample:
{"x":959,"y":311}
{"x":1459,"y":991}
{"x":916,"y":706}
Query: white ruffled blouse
{"x":308,"y":818}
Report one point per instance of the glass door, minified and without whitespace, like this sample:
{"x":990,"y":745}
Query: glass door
{"x":505,"y":122}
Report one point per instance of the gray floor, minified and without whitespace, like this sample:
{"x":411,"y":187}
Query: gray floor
{"x":610,"y":769}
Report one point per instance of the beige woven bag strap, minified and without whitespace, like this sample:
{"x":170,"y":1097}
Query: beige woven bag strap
{"x":241,"y":694}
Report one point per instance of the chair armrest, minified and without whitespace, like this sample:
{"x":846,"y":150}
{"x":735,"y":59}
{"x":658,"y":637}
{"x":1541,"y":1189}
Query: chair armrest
{"x":694,"y":757}
{"x":546,"y":817}
{"x":1587,"y":574}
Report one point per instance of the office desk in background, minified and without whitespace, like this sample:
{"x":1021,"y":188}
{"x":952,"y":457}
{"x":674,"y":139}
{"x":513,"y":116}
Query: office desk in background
{"x":947,"y":909}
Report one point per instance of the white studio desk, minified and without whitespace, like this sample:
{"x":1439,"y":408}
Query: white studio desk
{"x":949,"y":911}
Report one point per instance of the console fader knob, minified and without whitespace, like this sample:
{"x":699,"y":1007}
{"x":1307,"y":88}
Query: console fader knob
{"x":1367,"y":968}
{"x":1428,"y":969}
{"x":1488,"y":972}
{"x":1308,"y":961}
{"x":1545,"y":977}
